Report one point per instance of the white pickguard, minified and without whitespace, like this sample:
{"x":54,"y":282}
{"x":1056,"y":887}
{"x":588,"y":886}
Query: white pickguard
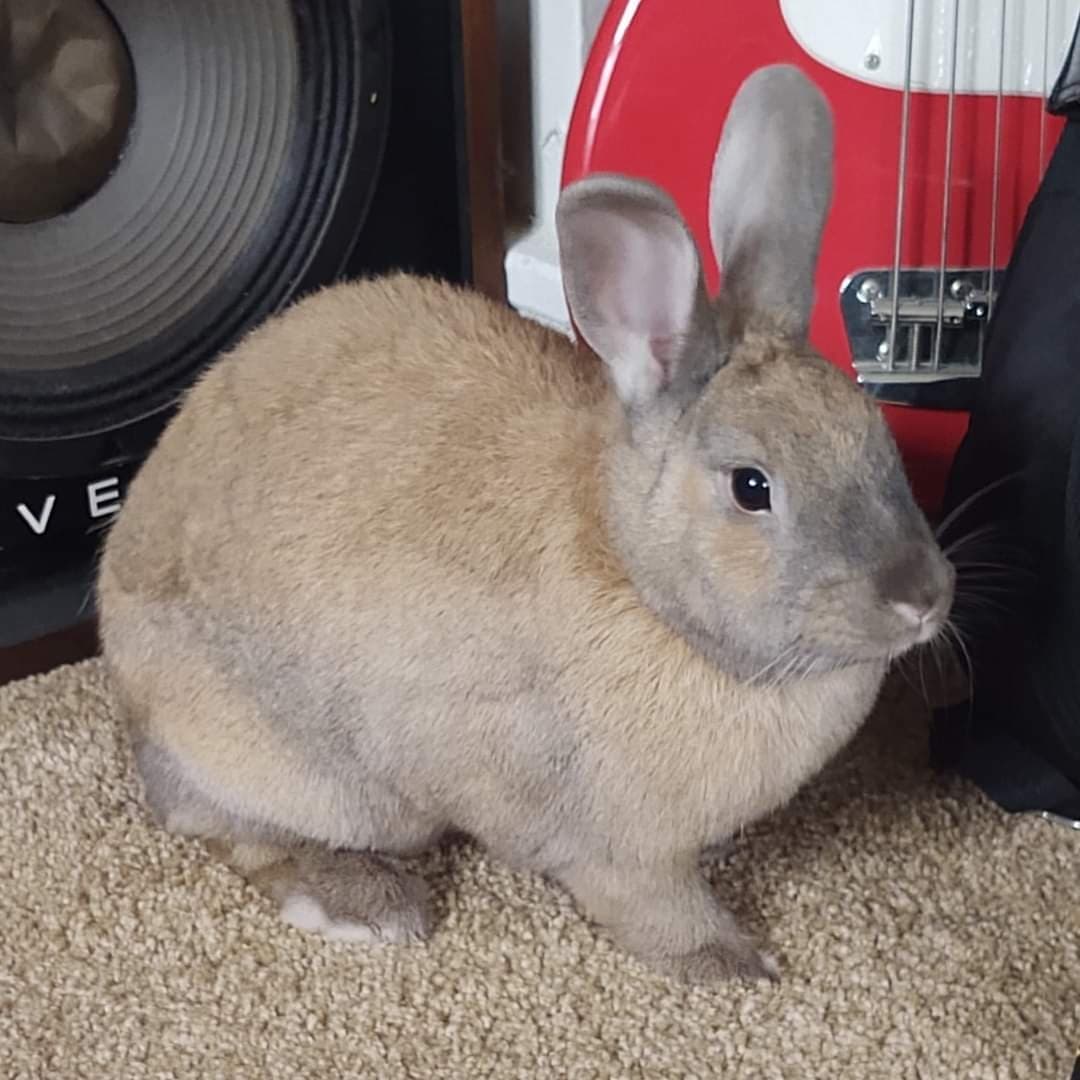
{"x":866,"y":39}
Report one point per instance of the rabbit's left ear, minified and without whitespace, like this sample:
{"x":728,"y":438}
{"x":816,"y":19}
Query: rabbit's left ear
{"x":770,"y":194}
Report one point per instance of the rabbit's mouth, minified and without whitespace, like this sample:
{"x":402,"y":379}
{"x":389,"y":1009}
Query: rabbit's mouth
{"x":911,"y":626}
{"x":884,"y":635}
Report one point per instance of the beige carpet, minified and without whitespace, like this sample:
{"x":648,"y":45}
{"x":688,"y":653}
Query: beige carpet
{"x":923,"y":934}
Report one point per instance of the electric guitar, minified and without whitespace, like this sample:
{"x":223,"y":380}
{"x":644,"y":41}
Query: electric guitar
{"x":941,"y":141}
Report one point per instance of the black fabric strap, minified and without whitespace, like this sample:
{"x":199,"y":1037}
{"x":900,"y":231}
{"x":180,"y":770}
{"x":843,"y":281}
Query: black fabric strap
{"x":1065,"y":97}
{"x":1019,"y":738}
{"x":1009,"y":771}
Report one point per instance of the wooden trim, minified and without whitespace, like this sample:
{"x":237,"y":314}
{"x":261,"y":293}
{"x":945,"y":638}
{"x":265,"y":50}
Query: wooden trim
{"x":34,"y":657}
{"x":482,"y":120}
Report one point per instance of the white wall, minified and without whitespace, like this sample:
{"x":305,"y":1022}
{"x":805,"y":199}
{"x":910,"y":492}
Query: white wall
{"x":543,"y":45}
{"x":592,"y":11}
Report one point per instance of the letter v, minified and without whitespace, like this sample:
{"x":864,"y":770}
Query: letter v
{"x":38,"y":524}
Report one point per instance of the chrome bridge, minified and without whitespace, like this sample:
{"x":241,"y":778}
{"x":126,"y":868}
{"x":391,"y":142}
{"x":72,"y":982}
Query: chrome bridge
{"x":922,"y":345}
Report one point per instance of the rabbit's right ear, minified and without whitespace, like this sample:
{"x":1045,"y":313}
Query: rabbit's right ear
{"x":634,"y":286}
{"x":770,"y":194}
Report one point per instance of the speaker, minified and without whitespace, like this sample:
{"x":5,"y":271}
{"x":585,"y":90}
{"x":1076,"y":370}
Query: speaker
{"x":171,"y":173}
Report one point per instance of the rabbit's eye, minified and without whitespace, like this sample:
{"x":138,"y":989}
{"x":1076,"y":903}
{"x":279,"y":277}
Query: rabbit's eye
{"x":750,"y":487}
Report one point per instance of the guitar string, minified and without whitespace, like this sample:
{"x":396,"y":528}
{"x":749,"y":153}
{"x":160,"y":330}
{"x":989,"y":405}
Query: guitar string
{"x":946,"y":198}
{"x":905,"y":115}
{"x":996,"y":189}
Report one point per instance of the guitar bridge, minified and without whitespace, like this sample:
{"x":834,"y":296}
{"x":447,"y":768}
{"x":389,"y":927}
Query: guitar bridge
{"x":922,"y":345}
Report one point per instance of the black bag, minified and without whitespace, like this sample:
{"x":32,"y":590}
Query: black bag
{"x":1013,"y":511}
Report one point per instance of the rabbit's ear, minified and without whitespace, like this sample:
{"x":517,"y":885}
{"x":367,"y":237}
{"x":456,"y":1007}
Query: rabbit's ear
{"x":770,"y":194}
{"x":634,"y":287}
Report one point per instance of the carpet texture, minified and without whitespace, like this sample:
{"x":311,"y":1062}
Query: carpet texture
{"x":922,"y":934}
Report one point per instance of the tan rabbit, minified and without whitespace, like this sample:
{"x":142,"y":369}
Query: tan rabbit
{"x":406,"y":564}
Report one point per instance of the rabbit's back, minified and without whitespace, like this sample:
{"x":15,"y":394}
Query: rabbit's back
{"x":383,"y":410}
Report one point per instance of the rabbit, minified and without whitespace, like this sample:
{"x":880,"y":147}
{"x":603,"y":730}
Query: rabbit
{"x":405,"y":565}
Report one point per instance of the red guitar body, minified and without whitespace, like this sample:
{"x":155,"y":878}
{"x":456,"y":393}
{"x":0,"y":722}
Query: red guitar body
{"x":652,"y":103}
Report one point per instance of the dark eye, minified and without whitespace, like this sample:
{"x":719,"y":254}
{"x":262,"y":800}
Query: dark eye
{"x":750,"y":487}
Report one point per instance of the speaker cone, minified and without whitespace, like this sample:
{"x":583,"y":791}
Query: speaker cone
{"x":66,"y":102}
{"x":174,"y":170}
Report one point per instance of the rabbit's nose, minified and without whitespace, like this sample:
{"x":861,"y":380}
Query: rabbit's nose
{"x":919,"y":588}
{"x":913,"y":613}
{"x":925,"y":621}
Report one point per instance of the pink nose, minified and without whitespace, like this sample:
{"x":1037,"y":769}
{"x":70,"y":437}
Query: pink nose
{"x":918,"y":586}
{"x":926,"y":618}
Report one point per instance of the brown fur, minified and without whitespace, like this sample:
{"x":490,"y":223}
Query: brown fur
{"x":404,"y":564}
